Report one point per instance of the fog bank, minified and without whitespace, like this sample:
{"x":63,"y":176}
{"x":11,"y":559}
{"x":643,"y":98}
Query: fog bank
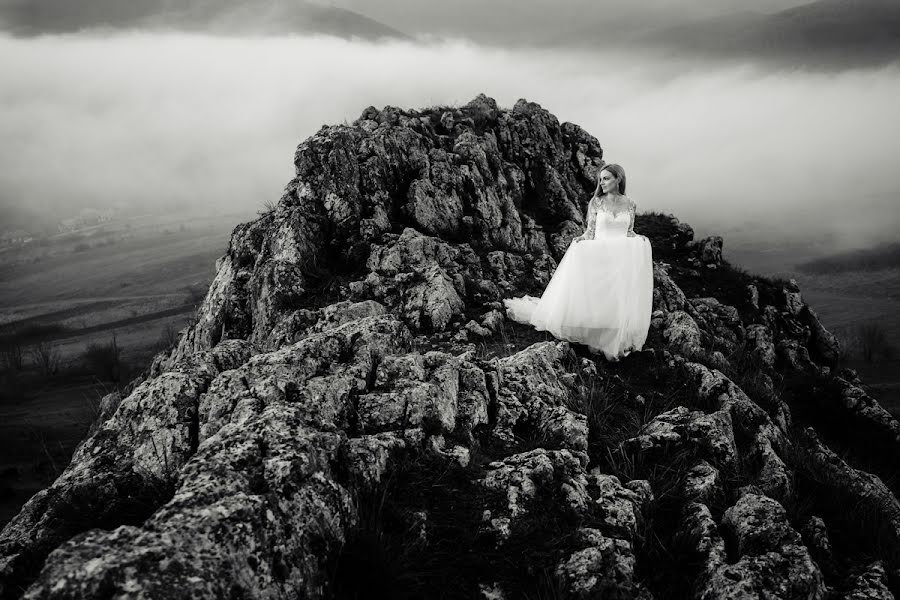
{"x":176,"y":120}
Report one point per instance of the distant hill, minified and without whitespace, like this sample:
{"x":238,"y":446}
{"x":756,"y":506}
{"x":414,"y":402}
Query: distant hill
{"x":827,"y":32}
{"x":33,"y":17}
{"x":885,"y":256}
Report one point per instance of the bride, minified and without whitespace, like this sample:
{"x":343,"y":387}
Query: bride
{"x":601,"y":293}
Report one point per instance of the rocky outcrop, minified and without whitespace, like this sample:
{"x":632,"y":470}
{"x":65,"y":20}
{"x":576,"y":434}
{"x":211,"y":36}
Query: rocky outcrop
{"x":357,"y":327}
{"x":770,"y":558}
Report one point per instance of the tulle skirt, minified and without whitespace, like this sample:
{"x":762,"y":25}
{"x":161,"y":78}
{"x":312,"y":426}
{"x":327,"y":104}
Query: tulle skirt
{"x":600,"y":295}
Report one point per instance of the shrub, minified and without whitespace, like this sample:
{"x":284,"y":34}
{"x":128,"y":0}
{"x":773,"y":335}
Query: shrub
{"x":196,"y":293}
{"x":168,"y":337}
{"x":873,"y":341}
{"x":105,"y":359}
{"x":11,"y":355}
{"x":45,"y":357}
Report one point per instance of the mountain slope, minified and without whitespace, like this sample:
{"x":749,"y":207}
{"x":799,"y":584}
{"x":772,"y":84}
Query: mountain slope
{"x":826,"y":32}
{"x":32,"y":17}
{"x":351,"y":413}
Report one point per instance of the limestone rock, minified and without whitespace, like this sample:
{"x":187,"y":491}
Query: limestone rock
{"x":824,"y":346}
{"x":771,"y":555}
{"x":702,"y":483}
{"x":523,"y":476}
{"x":535,"y":392}
{"x":667,"y":296}
{"x":829,"y":469}
{"x":709,"y":250}
{"x":869,"y":583}
{"x":711,"y":434}
{"x":753,"y":296}
{"x":604,"y":569}
{"x":719,"y":320}
{"x":762,"y":350}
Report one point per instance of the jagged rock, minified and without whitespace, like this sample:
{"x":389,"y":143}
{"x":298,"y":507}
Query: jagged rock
{"x":870,"y":583}
{"x":865,"y":410}
{"x":604,"y":569}
{"x":477,"y":329}
{"x":562,"y":427}
{"x":711,"y":434}
{"x":105,"y":409}
{"x":433,"y":288}
{"x":753,"y":423}
{"x":493,"y":320}
{"x":709,"y":249}
{"x":823,"y":344}
{"x":762,"y":350}
{"x":644,"y":492}
{"x":699,"y":533}
{"x":721,"y":321}
{"x":681,"y":333}
{"x":369,"y":456}
{"x":352,"y":181}
{"x":310,"y":373}
{"x":770,"y":318}
{"x":753,"y":296}
{"x":792,"y":299}
{"x":603,"y":563}
{"x":773,"y":477}
{"x":677,"y":237}
{"x":522,"y":476}
{"x":301,"y":323}
{"x":667,"y":296}
{"x":249,"y":509}
{"x":771,"y":556}
{"x":425,"y":390}
{"x":702,"y":483}
{"x":131,"y":460}
{"x":491,"y":592}
{"x":795,"y":356}
{"x":459,"y":454}
{"x":618,"y":506}
{"x":826,"y":467}
{"x":815,"y":536}
{"x":536,"y":390}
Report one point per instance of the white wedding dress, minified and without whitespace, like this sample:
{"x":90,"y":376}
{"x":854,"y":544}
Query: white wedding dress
{"x":601,"y":293}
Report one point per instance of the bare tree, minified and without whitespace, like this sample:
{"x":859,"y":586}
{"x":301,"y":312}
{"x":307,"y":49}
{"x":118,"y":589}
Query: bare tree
{"x":105,"y":359}
{"x":12,"y":355}
{"x":168,"y":337}
{"x":45,"y":356}
{"x":873,"y":341}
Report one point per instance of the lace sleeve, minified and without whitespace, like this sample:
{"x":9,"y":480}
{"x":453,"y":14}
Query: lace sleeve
{"x":632,"y":210}
{"x":591,"y":221}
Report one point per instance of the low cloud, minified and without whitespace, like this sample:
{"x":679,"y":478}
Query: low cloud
{"x":203,"y":122}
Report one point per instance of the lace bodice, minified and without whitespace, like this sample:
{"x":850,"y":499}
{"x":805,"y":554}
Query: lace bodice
{"x":601,"y":222}
{"x":608,"y":224}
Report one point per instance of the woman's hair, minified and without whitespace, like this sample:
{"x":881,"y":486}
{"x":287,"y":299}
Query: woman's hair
{"x":616,"y":170}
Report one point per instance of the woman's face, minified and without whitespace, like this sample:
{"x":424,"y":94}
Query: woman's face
{"x":608,"y":182}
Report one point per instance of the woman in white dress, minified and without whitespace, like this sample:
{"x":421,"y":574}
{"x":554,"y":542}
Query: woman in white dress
{"x":601,"y":293}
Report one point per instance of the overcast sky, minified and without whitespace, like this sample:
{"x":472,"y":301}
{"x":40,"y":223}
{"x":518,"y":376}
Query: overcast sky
{"x":154,"y":119}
